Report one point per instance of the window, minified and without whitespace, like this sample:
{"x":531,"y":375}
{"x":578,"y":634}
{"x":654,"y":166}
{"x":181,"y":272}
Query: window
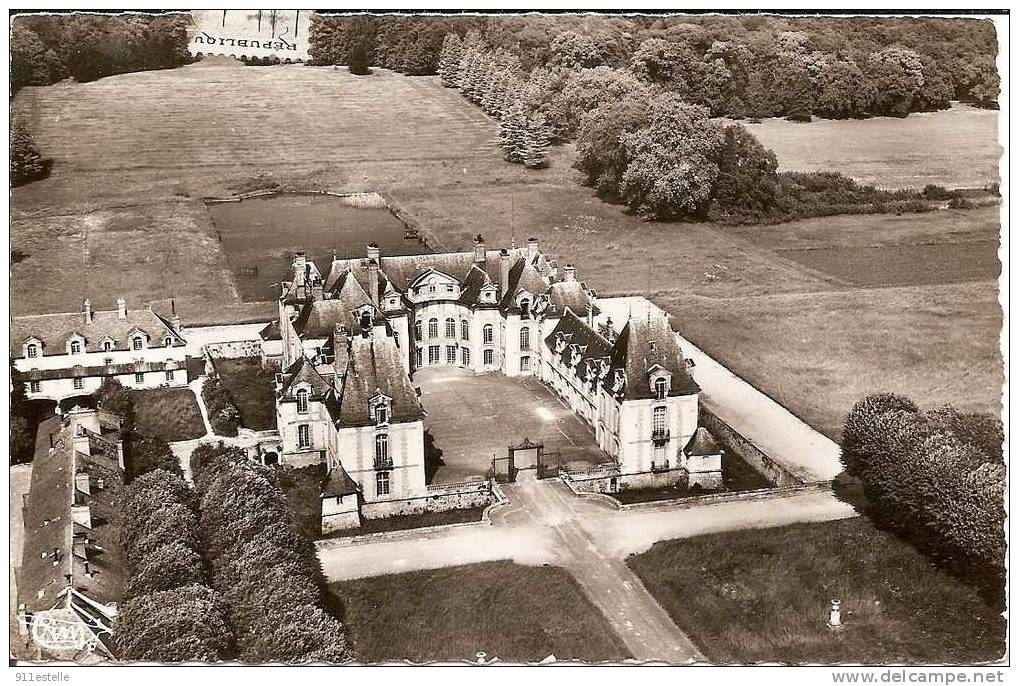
{"x":381,"y":414}
{"x":33,"y":350}
{"x":75,"y":347}
{"x":137,"y":343}
{"x":660,"y":461}
{"x":661,"y":388}
{"x":303,"y":436}
{"x":525,"y":308}
{"x":78,"y":384}
{"x":465,"y":357}
{"x":34,"y":386}
{"x":431,"y":288}
{"x":433,"y":328}
{"x":107,"y":360}
{"x":382,"y":483}
{"x":488,"y":356}
{"x":525,"y":363}
{"x":396,"y":338}
{"x":107,"y":346}
{"x":450,"y":328}
{"x":450,"y":288}
{"x":417,"y":330}
{"x":381,"y":449}
{"x":486,"y":335}
{"x":525,"y":338}
{"x":433,"y":354}
{"x":418,"y":354}
{"x":139,"y":377}
{"x":465,"y":330}
{"x":302,"y":400}
{"x":658,"y":418}
{"x":169,"y":375}
{"x":450,"y":354}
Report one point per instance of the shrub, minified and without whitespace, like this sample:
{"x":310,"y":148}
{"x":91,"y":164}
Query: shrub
{"x":860,"y":436}
{"x":223,"y":413}
{"x":169,"y":566}
{"x":146,"y":454}
{"x":960,"y":204}
{"x":112,"y":397}
{"x":178,"y":625}
{"x":27,"y":163}
{"x":357,"y":60}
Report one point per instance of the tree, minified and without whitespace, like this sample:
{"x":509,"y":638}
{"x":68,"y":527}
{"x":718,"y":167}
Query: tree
{"x":169,"y":566}
{"x":179,"y":625}
{"x":513,"y":132}
{"x":671,"y":161}
{"x":747,"y":176}
{"x":860,"y":437}
{"x":27,"y":163}
{"x":573,"y":50}
{"x":145,"y":454}
{"x":114,"y":398}
{"x":449,"y":60}
{"x":600,"y":154}
{"x":535,"y":143}
{"x":357,"y":60}
{"x":586,"y":89}
{"x":897,"y":76}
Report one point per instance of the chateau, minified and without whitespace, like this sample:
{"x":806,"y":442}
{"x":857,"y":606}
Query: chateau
{"x":353,"y":336}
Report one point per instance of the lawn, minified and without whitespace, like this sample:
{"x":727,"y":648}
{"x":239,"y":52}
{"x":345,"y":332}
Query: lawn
{"x":763,"y":596}
{"x":121,"y":215}
{"x":168,"y":413}
{"x":250,"y":384}
{"x":509,"y":611}
{"x":955,"y":148}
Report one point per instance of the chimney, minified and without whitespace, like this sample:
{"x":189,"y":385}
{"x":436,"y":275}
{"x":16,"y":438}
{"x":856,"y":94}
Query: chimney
{"x":590,"y":312}
{"x":479,"y":249}
{"x":504,"y":270}
{"x":121,"y":308}
{"x":300,"y":268}
{"x":373,"y":280}
{"x":373,"y":252}
{"x":87,"y":308}
{"x":175,"y":322}
{"x":532,"y":249}
{"x":316,"y":289}
{"x":569,"y":273}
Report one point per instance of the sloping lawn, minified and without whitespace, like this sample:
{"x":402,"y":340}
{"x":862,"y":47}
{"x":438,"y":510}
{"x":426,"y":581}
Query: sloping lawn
{"x":168,"y":413}
{"x":509,"y":611}
{"x":763,"y":596}
{"x":251,"y":387}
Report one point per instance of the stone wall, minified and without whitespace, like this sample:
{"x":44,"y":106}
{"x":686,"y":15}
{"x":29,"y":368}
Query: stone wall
{"x":479,"y":495}
{"x":739,"y":445}
{"x":234,"y":349}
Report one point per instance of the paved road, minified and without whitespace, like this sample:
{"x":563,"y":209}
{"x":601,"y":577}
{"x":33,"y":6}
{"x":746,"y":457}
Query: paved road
{"x":544,"y":523}
{"x":774,"y":429}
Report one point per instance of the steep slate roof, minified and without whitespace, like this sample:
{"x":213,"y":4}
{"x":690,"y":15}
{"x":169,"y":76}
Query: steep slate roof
{"x":106,"y":370}
{"x":571,"y":294}
{"x":54,"y":330}
{"x":373,"y":364}
{"x":575,"y":331}
{"x":646,"y":342}
{"x":339,"y":482}
{"x":303,"y":371}
{"x":318,"y":319}
{"x":49,"y":524}
{"x":702,"y":443}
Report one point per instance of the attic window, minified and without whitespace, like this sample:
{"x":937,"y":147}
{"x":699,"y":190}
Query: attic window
{"x":167,"y":342}
{"x":75,"y":347}
{"x":302,"y":401}
{"x":32,"y":350}
{"x":661,"y":388}
{"x":381,"y":414}
{"x":651,"y":346}
{"x":107,"y":346}
{"x":137,"y":343}
{"x":366,"y":320}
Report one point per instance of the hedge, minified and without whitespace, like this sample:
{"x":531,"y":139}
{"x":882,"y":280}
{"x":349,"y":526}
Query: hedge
{"x":223,"y":413}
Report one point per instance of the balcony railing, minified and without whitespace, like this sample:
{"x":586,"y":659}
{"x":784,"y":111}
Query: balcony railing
{"x":660,"y":466}
{"x":659,"y":436}
{"x":383,"y":463}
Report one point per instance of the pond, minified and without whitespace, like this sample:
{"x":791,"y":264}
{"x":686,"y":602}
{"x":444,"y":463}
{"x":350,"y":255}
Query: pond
{"x":260,"y":235}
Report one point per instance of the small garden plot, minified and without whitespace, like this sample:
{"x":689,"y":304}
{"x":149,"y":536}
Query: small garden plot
{"x":763,"y":595}
{"x":171,"y":414}
{"x":250,"y":384}
{"x":509,"y":611}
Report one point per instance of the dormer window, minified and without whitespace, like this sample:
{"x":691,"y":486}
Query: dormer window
{"x":32,"y":350}
{"x":167,"y":342}
{"x":75,"y":347}
{"x":661,"y":388}
{"x":302,"y":401}
{"x":525,"y":308}
{"x":381,"y":414}
{"x":137,"y":343}
{"x":107,"y":345}
{"x":366,"y":320}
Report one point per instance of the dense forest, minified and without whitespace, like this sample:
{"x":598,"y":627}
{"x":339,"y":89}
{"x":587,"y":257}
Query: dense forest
{"x":48,"y":48}
{"x":750,"y":65}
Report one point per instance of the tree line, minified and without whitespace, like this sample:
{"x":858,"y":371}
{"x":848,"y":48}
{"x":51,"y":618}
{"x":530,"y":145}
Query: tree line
{"x":48,"y":48}
{"x":935,"y":477}
{"x":737,"y":66}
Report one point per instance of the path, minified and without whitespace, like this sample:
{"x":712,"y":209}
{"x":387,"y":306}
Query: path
{"x":544,"y":523}
{"x":782,"y":435}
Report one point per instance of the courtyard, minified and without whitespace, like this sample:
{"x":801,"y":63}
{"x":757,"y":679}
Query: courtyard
{"x":472,"y":419}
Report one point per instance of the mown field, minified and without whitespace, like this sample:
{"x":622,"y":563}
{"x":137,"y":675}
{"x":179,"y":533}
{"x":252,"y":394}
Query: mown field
{"x":763,"y":596}
{"x":134,"y":154}
{"x":508,"y":611}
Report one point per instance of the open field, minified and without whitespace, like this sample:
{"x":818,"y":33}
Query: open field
{"x":511,"y":612}
{"x":763,"y":595}
{"x":955,"y":148}
{"x":503,"y":411}
{"x":122,"y":215}
{"x":168,"y":413}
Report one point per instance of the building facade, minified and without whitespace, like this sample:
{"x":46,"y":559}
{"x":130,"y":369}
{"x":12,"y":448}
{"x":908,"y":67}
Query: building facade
{"x":66,"y":355}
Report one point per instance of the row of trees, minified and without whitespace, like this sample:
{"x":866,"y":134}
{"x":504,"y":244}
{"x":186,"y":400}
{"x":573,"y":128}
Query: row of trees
{"x":48,"y":48}
{"x":735,"y":65}
{"x":266,"y":571}
{"x":169,"y":613}
{"x":937,"y":477}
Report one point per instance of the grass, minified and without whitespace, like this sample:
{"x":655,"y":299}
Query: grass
{"x":302,"y":487}
{"x":121,"y":215}
{"x":250,"y":384}
{"x":957,"y":148}
{"x":763,"y":595}
{"x":737,"y":476}
{"x":168,"y":413}
{"x":414,"y":521}
{"x":511,"y":612}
